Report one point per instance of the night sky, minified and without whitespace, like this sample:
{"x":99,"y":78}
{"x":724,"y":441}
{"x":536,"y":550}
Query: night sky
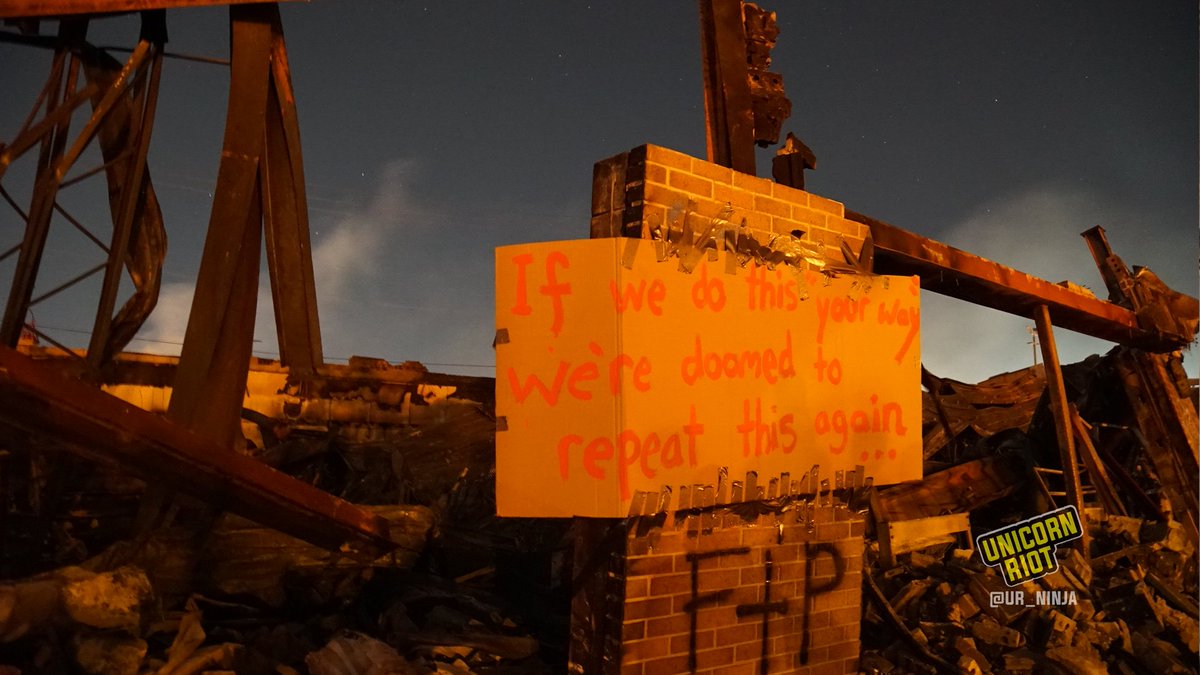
{"x":434,"y":132}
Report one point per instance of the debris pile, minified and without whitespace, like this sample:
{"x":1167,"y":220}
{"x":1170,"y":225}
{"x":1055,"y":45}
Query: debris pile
{"x":1124,"y":611}
{"x":1122,"y":599}
{"x":102,"y":580}
{"x":105,"y":579}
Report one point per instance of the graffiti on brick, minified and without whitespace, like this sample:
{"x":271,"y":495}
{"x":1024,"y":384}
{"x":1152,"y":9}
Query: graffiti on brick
{"x":812,"y":590}
{"x":697,"y":601}
{"x":765,"y":608}
{"x":815,"y":585}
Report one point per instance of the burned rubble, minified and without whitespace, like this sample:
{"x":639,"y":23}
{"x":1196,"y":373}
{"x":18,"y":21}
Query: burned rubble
{"x":1126,"y":605}
{"x":466,"y":591}
{"x":90,"y":588}
{"x":219,"y":513}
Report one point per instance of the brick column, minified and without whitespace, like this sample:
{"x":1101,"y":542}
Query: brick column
{"x":714,"y":592}
{"x":768,"y":585}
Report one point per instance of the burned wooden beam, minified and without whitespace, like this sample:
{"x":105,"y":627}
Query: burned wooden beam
{"x":100,"y":427}
{"x":728,"y":111}
{"x":1059,"y":408}
{"x":959,"y":274}
{"x":960,"y":488}
{"x":1168,"y":433}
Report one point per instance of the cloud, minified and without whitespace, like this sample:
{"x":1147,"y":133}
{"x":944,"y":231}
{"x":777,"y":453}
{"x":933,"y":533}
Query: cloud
{"x":347,"y":258}
{"x":163,"y":331}
{"x":350,"y":252}
{"x":1034,"y":231}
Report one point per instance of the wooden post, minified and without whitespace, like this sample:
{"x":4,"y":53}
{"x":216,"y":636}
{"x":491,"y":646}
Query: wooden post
{"x":728,"y":116}
{"x":1062,"y":419}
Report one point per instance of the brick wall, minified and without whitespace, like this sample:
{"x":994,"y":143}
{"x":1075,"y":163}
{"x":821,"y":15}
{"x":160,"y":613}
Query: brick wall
{"x":637,"y":191}
{"x":770,"y":585}
{"x":686,"y":592}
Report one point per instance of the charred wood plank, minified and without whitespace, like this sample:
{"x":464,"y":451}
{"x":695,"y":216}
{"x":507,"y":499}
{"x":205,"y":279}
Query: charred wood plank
{"x":960,"y":488}
{"x":903,"y":536}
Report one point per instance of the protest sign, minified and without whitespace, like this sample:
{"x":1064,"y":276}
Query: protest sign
{"x":616,"y":373}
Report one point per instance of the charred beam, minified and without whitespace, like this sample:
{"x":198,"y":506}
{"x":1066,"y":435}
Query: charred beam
{"x":958,"y":274}
{"x":138,"y":240}
{"x":10,"y":9}
{"x":728,"y":111}
{"x":50,"y":157}
{"x":215,"y":358}
{"x":285,"y":222}
{"x":1060,"y":409}
{"x":100,"y":427}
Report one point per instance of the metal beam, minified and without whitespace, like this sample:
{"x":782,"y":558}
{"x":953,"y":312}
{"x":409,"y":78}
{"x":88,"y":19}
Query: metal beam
{"x":50,"y":158}
{"x":37,"y":399}
{"x":285,"y":223}
{"x":958,"y":274}
{"x":11,"y":9}
{"x":123,"y":146}
{"x":217,"y":345}
{"x":130,"y":207}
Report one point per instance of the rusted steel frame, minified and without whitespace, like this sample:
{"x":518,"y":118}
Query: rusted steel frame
{"x":130,"y":74}
{"x":103,"y":428}
{"x":211,"y":60}
{"x":715,"y":131}
{"x":10,"y":9}
{"x":728,"y":114}
{"x":1059,"y":408}
{"x":65,"y":285}
{"x":117,"y":138}
{"x":67,"y":350}
{"x":1116,"y":276}
{"x":45,"y":42}
{"x":101,"y":346}
{"x":958,"y":274}
{"x":215,"y":359}
{"x":79,"y":226}
{"x":45,"y":187}
{"x":93,"y":171}
{"x":29,"y":137}
{"x":285,"y":222}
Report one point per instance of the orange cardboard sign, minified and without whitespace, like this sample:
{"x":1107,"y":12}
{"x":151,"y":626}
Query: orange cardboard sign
{"x":617,"y":373}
